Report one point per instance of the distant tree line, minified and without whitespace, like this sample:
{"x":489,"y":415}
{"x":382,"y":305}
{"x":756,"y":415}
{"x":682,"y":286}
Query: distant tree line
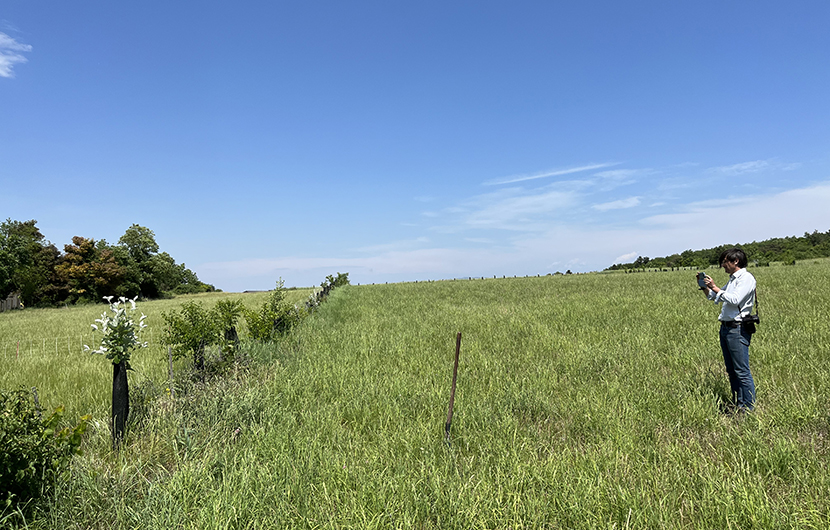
{"x":760,"y":254}
{"x":87,"y":270}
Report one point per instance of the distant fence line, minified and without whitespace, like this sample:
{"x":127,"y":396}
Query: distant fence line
{"x":12,"y":302}
{"x":661,"y":269}
{"x":69,"y":345}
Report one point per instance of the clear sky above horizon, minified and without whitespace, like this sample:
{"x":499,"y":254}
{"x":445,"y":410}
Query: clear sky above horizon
{"x":411,"y":141}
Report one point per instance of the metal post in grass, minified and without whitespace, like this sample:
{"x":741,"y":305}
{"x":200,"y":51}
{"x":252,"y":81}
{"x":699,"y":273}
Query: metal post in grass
{"x":170,"y":365}
{"x":452,"y":389}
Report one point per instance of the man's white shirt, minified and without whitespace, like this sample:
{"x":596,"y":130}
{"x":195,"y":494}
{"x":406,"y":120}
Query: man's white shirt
{"x":736,"y":296}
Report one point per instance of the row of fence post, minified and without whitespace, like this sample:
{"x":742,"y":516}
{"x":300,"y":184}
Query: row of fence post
{"x":12,"y":302}
{"x":70,"y":345}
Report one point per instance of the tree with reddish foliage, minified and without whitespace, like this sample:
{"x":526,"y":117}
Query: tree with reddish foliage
{"x":89,"y":271}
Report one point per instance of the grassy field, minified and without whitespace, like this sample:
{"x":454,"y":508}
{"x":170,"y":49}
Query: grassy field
{"x":589,"y":401}
{"x":43,"y":348}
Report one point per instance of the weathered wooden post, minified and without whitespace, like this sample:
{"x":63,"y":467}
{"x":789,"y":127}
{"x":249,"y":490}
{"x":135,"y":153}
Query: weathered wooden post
{"x":452,"y":390}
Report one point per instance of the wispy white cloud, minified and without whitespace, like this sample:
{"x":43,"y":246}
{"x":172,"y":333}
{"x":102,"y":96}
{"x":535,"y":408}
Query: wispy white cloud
{"x":617,"y":205}
{"x":514,"y":209}
{"x":695,"y":225}
{"x":552,"y":173}
{"x":755,"y":166}
{"x":744,"y":167}
{"x":11,"y":53}
{"x":548,"y":232}
{"x":625,"y":258}
{"x":676,"y":183}
{"x":525,"y":209}
{"x":518,"y":211}
{"x":615,"y":178}
{"x":562,"y":244}
{"x":618,"y":174}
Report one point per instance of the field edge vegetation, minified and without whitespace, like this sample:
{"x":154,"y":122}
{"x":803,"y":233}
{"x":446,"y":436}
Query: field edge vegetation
{"x":584,"y":401}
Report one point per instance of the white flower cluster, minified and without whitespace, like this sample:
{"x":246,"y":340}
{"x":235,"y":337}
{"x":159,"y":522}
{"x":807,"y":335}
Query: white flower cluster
{"x":121,"y":332}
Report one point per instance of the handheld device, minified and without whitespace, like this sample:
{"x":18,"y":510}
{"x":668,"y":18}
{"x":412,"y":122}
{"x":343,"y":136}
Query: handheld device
{"x":701,"y":278}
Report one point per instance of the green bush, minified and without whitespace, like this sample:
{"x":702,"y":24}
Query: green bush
{"x":227,"y":314}
{"x":340,"y":280}
{"x":34,"y":451}
{"x":275,"y":317}
{"x":190,"y":330}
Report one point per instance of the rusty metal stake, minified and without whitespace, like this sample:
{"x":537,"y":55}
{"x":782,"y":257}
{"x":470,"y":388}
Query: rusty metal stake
{"x":452,"y":391}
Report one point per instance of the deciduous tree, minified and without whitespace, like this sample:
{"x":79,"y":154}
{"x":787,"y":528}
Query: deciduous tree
{"x":90,"y":273}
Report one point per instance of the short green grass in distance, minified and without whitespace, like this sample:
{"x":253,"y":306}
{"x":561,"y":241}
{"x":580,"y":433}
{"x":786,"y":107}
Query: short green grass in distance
{"x":809,"y":261}
{"x":43,"y":348}
{"x":584,"y":401}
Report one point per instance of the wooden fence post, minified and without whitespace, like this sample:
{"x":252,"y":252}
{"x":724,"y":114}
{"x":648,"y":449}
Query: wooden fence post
{"x":452,"y":390}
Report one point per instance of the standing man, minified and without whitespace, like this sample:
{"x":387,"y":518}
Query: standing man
{"x":737,"y":297}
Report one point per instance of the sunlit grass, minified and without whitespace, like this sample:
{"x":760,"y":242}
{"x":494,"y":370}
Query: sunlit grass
{"x":590,"y":401}
{"x":43,"y":348}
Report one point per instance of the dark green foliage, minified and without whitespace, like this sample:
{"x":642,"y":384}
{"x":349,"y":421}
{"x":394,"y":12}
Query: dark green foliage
{"x":140,"y":243}
{"x":34,"y":450}
{"x":155,"y":273}
{"x":326,"y":287}
{"x":194,"y":328}
{"x":26,"y":261}
{"x":340,"y":280}
{"x":275,"y":317}
{"x":88,"y":269}
{"x":228,"y":313}
{"x":787,"y":250}
{"x":190,"y":331}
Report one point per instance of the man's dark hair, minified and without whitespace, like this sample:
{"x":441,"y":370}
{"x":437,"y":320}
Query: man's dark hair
{"x":734,"y":254}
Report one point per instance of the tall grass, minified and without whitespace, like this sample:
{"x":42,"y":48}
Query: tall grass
{"x":43,"y":348}
{"x":591,"y":401}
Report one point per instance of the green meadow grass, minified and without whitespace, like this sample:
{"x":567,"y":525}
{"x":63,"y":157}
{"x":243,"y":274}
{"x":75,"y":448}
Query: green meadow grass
{"x":589,"y":401}
{"x":43,"y":348}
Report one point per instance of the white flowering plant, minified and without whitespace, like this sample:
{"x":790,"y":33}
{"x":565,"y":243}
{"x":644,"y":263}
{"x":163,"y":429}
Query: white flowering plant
{"x":120,"y":330}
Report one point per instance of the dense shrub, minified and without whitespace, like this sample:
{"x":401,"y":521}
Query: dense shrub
{"x":227,"y":314}
{"x":340,"y":280}
{"x":275,"y":317}
{"x":34,"y":451}
{"x":190,"y":330}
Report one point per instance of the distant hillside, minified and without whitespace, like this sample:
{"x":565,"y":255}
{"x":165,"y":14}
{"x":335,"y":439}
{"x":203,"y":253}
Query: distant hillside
{"x":760,"y":253}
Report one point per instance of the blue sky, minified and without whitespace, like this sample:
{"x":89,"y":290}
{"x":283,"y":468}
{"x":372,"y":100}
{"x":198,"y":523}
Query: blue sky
{"x":420,"y":140}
